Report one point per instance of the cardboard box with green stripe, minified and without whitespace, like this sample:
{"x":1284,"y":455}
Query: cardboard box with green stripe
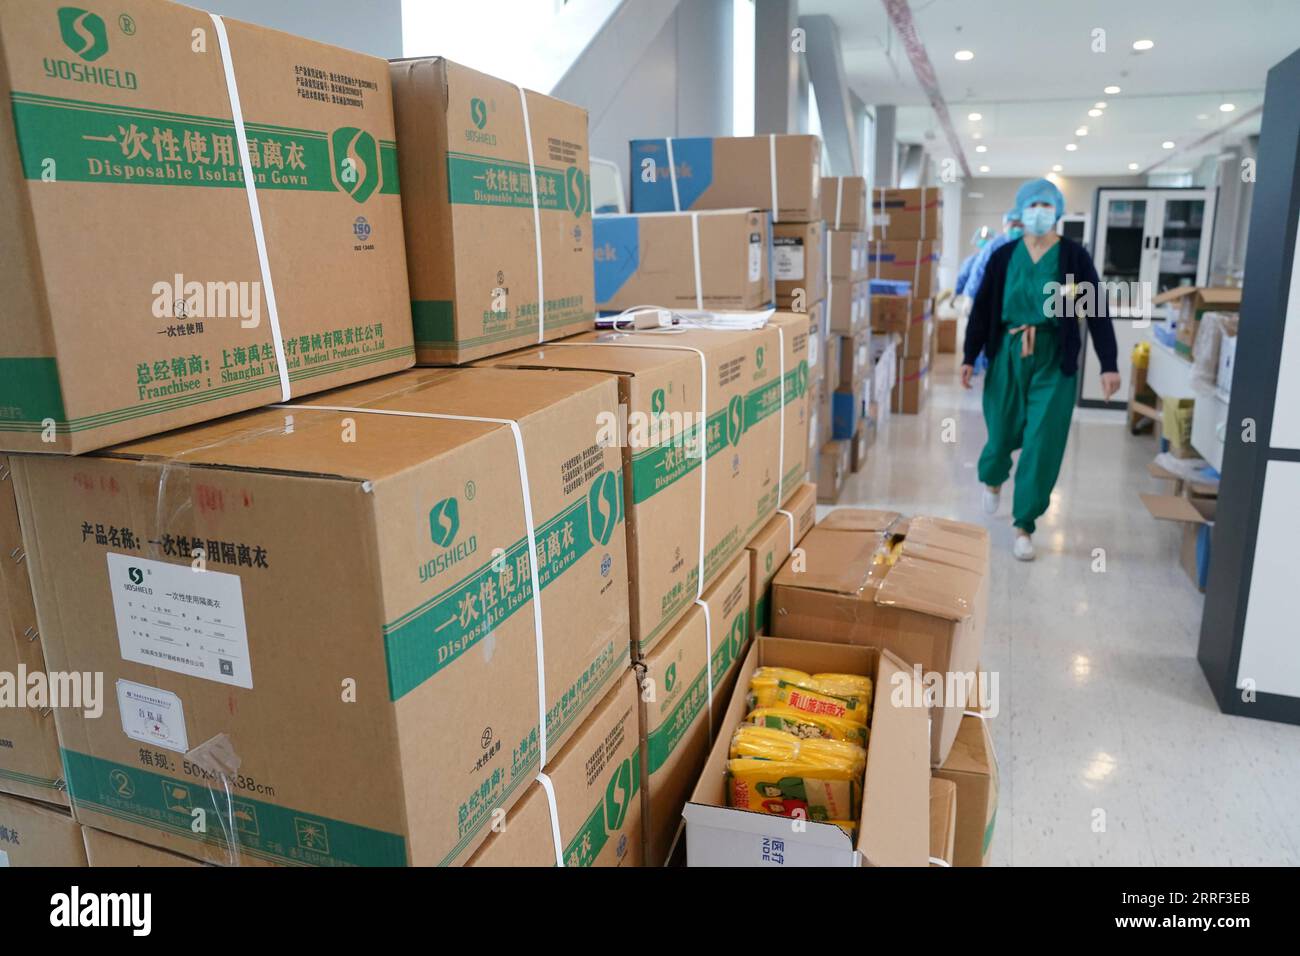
{"x":357,"y":654}
{"x":475,"y":240}
{"x":596,"y":779}
{"x":661,"y":436}
{"x":142,"y":289}
{"x":675,"y":719}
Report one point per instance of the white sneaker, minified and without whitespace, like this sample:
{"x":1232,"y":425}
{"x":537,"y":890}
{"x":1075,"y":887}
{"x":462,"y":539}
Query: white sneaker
{"x":1023,"y":549}
{"x":991,"y":499}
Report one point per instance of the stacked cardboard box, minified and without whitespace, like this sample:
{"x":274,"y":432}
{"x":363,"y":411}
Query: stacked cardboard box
{"x":917,"y":587}
{"x":972,"y":767}
{"x":368,"y":572}
{"x":771,"y":546}
{"x":908,"y":318}
{"x":715,"y":259}
{"x":110,"y":850}
{"x":231,"y":309}
{"x":748,"y":470}
{"x":907,"y":214}
{"x":37,"y":834}
{"x":476,"y":235}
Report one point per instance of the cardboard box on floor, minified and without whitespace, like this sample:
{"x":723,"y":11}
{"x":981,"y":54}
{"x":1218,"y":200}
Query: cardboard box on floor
{"x":780,"y":173}
{"x":943,"y":821}
{"x":659,"y":385}
{"x":849,"y":306}
{"x":844,"y":203}
{"x":182,"y":331}
{"x":644,"y":258}
{"x":799,"y":262}
{"x":596,"y":779}
{"x":675,"y":722}
{"x":929,"y":607}
{"x":37,"y":834}
{"x":371,"y":632}
{"x":906,"y":316}
{"x":30,"y":765}
{"x":110,"y":850}
{"x":769,"y":548}
{"x":973,"y":767}
{"x":471,"y":237}
{"x":893,"y":828}
{"x":911,"y":387}
{"x":946,"y":335}
{"x":833,"y":469}
{"x":908,"y":260}
{"x":908,"y":213}
{"x":1187,"y":302}
{"x":1196,"y":514}
{"x":847,"y":254}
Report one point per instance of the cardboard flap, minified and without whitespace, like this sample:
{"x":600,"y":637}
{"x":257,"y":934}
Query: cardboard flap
{"x":839,"y":563}
{"x":972,"y":751}
{"x":948,"y":542}
{"x":859,"y":519}
{"x":1172,"y":508}
{"x":1173,"y":295}
{"x":929,"y":587}
{"x":943,"y":819}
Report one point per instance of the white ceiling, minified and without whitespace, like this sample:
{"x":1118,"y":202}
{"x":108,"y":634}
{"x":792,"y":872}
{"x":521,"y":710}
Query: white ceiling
{"x":1035,"y":75}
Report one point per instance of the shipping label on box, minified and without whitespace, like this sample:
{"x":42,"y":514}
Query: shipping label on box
{"x":779,"y":173}
{"x":644,"y":258}
{"x":676,"y":718}
{"x":131,"y":203}
{"x":799,"y":263}
{"x":596,"y":782}
{"x":472,"y":238}
{"x":383,"y":701}
{"x":662,"y":431}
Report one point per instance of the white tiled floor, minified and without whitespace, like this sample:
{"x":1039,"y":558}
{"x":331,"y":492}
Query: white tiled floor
{"x":1111,"y":748}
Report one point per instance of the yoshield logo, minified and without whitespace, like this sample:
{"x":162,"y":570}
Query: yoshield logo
{"x":576,"y":197}
{"x":618,"y":796}
{"x":83,"y":32}
{"x":737,"y":635}
{"x":657,"y":401}
{"x":354,"y":162}
{"x":670,"y":677}
{"x":478,"y":112}
{"x":602,"y":502}
{"x":444,"y":522}
{"x":735,"y":419}
{"x":758,"y":356}
{"x":801,"y":378}
{"x":136,"y":575}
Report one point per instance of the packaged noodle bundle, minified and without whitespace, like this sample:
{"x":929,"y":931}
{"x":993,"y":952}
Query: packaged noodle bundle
{"x":844,"y":696}
{"x":805,"y":725}
{"x":772,"y":771}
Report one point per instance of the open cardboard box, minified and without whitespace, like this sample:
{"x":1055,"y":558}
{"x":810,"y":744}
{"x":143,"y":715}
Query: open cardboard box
{"x":893,"y":828}
{"x":943,"y":821}
{"x":1188,"y":302}
{"x":1196,"y":514}
{"x":929,"y":607}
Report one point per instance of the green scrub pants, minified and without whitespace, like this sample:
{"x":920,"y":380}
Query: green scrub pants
{"x":1027,"y":405}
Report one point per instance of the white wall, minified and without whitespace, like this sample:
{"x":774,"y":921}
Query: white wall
{"x":374,"y":27}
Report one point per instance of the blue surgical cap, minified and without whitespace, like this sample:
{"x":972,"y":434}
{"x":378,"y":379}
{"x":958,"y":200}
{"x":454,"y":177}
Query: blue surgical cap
{"x":1010,"y":215}
{"x":1040,"y":190}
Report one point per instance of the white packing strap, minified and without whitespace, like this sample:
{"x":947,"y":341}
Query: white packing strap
{"x":789,"y":517}
{"x":839,"y":198}
{"x":672,"y":175}
{"x":708,"y":661}
{"x":695,"y":246}
{"x":771,"y":155}
{"x":529,"y":524}
{"x":537,"y":219}
{"x":780,"y":412}
{"x":254,"y":208}
{"x":545,"y":780}
{"x":936,"y":861}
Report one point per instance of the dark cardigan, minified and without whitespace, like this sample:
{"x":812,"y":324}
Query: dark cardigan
{"x":984,"y":328}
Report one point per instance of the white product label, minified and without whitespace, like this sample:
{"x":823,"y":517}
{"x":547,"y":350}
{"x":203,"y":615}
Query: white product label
{"x":179,"y":619}
{"x":152,"y":715}
{"x":4,"y":858}
{"x":814,"y":350}
{"x":755,"y":257}
{"x":787,"y":258}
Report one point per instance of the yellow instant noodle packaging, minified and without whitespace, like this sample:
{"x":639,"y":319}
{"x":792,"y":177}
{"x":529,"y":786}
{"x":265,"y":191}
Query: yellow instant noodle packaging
{"x":843,"y":696}
{"x":771,"y":771}
{"x":805,"y":725}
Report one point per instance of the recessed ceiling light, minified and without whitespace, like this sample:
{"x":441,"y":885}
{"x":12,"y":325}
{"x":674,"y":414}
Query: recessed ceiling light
{"x":984,"y":169}
{"x":1141,"y":45}
{"x":976,"y":135}
{"x":1100,"y":105}
{"x":1132,"y":165}
{"x":1094,"y":112}
{"x":1227,"y":107}
{"x":1081,"y":131}
{"x":981,"y":148}
{"x":1057,"y":168}
{"x":1071,"y":147}
{"x":1167,"y":144}
{"x":963,"y":55}
{"x":1111,"y":91}
{"x":975,"y":117}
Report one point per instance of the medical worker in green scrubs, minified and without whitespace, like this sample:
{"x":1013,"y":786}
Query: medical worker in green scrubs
{"x":1026,"y":318}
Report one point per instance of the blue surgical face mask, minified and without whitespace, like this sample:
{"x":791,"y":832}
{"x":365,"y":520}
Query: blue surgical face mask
{"x":1039,"y":220}
{"x":1015,"y":232}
